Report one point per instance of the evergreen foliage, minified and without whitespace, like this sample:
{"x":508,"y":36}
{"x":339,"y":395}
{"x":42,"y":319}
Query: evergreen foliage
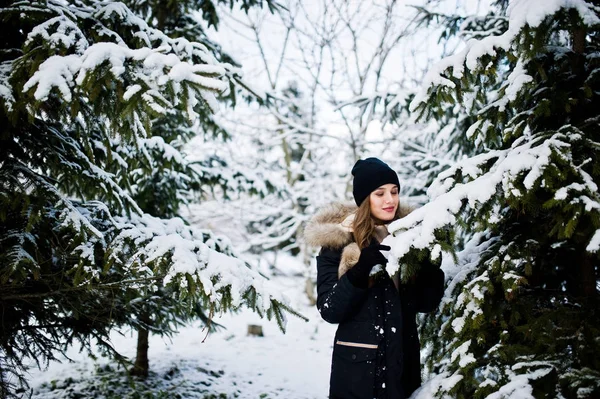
{"x":174,"y":180}
{"x":441,"y":142}
{"x":521,"y":312}
{"x":96,"y":106}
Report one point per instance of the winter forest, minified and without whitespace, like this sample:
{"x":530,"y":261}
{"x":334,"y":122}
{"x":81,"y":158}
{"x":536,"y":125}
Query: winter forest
{"x":159,"y":161}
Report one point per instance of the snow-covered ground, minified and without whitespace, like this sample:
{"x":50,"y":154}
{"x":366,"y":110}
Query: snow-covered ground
{"x":294,"y":365}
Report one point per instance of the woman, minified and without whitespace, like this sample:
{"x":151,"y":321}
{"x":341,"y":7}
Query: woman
{"x":376,"y":352}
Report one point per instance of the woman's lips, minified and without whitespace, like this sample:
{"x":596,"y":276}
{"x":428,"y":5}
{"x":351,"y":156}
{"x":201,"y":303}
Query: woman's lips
{"x":390,"y":209}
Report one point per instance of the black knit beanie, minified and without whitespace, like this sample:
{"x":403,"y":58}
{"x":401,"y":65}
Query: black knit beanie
{"x":370,"y":174}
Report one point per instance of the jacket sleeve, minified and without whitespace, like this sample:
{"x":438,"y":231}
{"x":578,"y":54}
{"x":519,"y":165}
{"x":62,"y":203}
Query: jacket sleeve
{"x":429,"y":287}
{"x":336,"y":299}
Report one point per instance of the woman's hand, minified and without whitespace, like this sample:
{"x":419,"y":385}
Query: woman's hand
{"x":369,"y":257}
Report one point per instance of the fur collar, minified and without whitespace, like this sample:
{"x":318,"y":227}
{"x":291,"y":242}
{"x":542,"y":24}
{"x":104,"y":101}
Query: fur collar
{"x":325,"y":229}
{"x":331,"y":228}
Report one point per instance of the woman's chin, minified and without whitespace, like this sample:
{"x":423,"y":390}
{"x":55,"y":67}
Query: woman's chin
{"x":384,"y":219}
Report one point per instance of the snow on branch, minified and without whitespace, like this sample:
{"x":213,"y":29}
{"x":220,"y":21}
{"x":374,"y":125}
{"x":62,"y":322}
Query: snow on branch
{"x":158,"y":143}
{"x":70,"y":214}
{"x":463,"y":355}
{"x":59,"y":71}
{"x":197,"y":253}
{"x":513,"y":85}
{"x":594,"y":244}
{"x":154,"y":61}
{"x":6,"y":94}
{"x":120,"y":12}
{"x":521,"y":13}
{"x":59,"y":32}
{"x":525,"y":162}
{"x":520,"y":383}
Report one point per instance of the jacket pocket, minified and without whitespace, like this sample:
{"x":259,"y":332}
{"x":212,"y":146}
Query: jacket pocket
{"x":353,"y":370}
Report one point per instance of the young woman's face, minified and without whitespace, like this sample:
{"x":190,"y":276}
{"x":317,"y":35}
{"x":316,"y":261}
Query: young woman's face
{"x":384,"y":202}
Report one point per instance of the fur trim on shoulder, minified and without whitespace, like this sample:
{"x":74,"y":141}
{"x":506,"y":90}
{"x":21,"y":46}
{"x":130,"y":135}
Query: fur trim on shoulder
{"x":328,"y":228}
{"x":325,"y":228}
{"x":350,"y":256}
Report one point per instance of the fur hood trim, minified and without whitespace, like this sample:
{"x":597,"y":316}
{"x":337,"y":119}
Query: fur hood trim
{"x":331,"y":227}
{"x":350,"y":256}
{"x":325,"y":229}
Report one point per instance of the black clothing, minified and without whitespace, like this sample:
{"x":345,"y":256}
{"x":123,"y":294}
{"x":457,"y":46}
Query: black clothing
{"x":370,"y":174}
{"x":369,"y":257}
{"x":376,"y":349}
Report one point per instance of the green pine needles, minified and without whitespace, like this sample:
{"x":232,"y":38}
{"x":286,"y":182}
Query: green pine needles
{"x":96,"y":105}
{"x":520,"y":316}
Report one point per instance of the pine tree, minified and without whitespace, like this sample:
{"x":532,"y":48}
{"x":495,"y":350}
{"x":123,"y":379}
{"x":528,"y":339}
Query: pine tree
{"x":83,"y":86}
{"x":178,"y":181}
{"x":520,"y":317}
{"x":429,"y":144}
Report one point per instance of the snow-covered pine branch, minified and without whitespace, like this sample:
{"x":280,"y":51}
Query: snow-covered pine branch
{"x":520,"y":14}
{"x":519,"y":313}
{"x":219,"y":277}
{"x":164,"y":72}
{"x":476,"y":181}
{"x":96,"y":107}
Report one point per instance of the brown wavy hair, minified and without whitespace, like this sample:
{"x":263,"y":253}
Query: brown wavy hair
{"x":364,"y":224}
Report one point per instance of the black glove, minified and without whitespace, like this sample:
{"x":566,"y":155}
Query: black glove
{"x":369,"y":257}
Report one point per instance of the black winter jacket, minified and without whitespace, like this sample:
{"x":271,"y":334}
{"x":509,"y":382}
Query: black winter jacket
{"x":376,"y":351}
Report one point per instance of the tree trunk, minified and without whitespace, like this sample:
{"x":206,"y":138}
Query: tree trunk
{"x":310,"y":291}
{"x":588,"y":278}
{"x":578,"y":37}
{"x":140,"y":367}
{"x":309,"y":284}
